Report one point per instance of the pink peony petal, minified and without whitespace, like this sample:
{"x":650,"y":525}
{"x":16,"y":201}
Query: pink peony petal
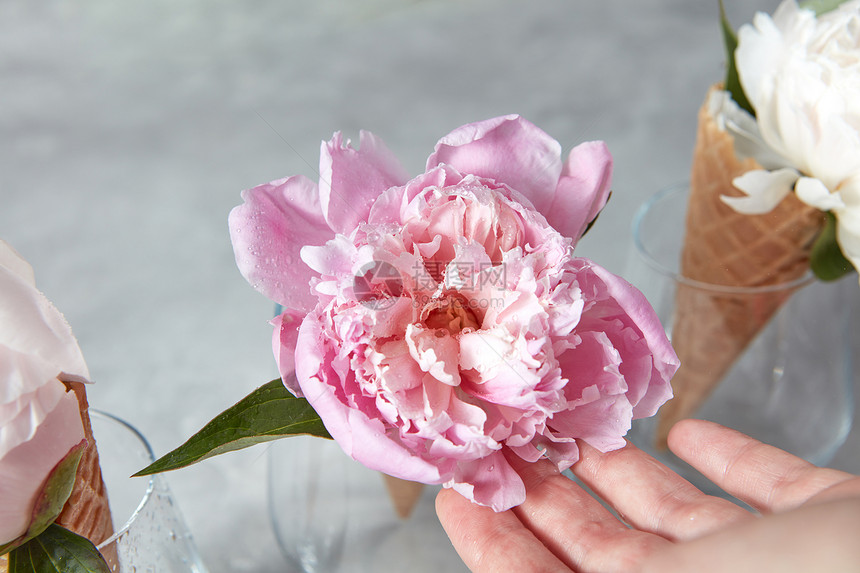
{"x":563,"y":452}
{"x":269,"y":229}
{"x":452,"y":321}
{"x":351,"y":180}
{"x":490,"y":481}
{"x":529,"y":452}
{"x":633,"y":307}
{"x":361,"y":437}
{"x":583,"y":189}
{"x":508,"y":150}
{"x":436,"y":355}
{"x":284,"y":338}
{"x":392,"y":204}
{"x":333,"y":259}
{"x":594,"y":362}
{"x":484,"y":352}
{"x":602,"y":423}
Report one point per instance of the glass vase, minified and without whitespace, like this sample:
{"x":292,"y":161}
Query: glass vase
{"x":789,"y":384}
{"x":150,"y":534}
{"x":331,"y":514}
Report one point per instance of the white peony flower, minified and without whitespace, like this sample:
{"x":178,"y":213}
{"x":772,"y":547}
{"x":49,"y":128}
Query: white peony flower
{"x":40,"y":422}
{"x":801,"y":74}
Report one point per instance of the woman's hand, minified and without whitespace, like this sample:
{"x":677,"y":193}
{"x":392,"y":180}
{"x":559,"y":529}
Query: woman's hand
{"x":810,"y":516}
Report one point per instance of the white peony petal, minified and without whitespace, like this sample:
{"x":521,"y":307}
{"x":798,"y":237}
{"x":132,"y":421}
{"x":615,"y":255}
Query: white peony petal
{"x":836,"y":155}
{"x":788,"y":127}
{"x":815,"y":194}
{"x":744,"y":130}
{"x":760,"y":51}
{"x":848,"y":222}
{"x":800,"y":74}
{"x":30,"y":396}
{"x":12,"y":261}
{"x":764,"y":190}
{"x":39,"y":420}
{"x":30,"y":324}
{"x":849,"y":243}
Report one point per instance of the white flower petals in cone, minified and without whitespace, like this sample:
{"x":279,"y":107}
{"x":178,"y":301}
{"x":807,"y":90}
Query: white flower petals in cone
{"x":760,"y":185}
{"x":43,"y":412}
{"x":724,"y":247}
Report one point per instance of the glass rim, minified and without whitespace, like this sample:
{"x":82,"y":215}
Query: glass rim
{"x":150,"y":486}
{"x":651,"y":261}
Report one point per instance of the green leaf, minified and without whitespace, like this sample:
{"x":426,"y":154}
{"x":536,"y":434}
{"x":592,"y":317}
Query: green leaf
{"x":57,"y":550}
{"x":821,"y":6}
{"x":732,"y":83}
{"x":51,"y":499}
{"x":268,"y":413}
{"x":826,"y":259}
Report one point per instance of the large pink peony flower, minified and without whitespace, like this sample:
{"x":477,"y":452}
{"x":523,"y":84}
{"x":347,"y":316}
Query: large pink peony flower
{"x":435,"y":322}
{"x":40,"y":422}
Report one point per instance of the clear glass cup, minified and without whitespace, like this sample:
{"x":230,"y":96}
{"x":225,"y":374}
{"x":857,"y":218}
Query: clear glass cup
{"x":330,"y":513}
{"x":150,"y":534}
{"x":792,"y":385}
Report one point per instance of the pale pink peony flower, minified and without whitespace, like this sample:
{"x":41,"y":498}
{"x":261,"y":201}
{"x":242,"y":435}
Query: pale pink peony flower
{"x":40,"y":422}
{"x":435,"y":323}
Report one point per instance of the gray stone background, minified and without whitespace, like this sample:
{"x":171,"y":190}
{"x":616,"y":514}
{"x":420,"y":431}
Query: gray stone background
{"x":128,"y":129}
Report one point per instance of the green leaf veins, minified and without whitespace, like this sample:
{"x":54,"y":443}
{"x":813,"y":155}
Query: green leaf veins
{"x":268,"y":413}
{"x":57,"y":550}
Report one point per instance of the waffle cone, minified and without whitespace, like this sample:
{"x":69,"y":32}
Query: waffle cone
{"x":87,"y":512}
{"x":711,"y":329}
{"x":404,"y":494}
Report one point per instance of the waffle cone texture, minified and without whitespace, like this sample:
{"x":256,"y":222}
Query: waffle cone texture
{"x":87,"y":512}
{"x":711,"y":328}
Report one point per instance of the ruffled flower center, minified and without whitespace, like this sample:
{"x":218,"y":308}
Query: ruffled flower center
{"x":451,"y":314}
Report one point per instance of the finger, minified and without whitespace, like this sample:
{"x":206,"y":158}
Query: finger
{"x":651,"y":497}
{"x":575,"y":526}
{"x":488,"y":542}
{"x":819,"y":537}
{"x":767,"y":478}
